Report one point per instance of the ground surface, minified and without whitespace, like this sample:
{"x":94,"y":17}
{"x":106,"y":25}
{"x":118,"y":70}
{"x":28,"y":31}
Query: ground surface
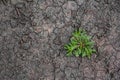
{"x":33,"y":33}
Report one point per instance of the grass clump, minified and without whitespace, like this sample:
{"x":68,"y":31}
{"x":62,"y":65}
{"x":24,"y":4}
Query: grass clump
{"x":80,"y":44}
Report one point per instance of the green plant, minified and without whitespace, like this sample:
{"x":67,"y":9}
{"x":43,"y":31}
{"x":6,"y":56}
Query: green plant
{"x":80,"y":44}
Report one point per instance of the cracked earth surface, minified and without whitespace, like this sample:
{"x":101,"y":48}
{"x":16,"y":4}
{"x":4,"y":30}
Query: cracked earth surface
{"x":33,"y":33}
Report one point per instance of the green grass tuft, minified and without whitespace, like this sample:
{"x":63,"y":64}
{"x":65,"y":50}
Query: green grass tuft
{"x":80,"y":44}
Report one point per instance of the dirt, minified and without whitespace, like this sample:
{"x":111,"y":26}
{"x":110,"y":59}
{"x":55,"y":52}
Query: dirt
{"x":33,"y":34}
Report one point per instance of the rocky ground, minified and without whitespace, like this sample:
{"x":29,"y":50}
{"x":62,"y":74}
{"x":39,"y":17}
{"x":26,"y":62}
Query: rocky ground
{"x":33,"y":33}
